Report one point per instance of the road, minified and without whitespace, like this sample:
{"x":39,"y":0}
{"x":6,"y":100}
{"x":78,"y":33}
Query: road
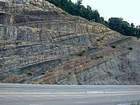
{"x":31,"y":94}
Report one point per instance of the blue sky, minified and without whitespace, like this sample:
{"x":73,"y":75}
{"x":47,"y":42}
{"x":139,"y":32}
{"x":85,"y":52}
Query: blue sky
{"x":129,"y":10}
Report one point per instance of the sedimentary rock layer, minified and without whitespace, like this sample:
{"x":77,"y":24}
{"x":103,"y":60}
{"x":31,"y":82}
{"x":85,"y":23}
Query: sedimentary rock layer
{"x":40,"y":43}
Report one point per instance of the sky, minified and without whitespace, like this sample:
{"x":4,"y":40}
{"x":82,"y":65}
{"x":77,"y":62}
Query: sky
{"x":129,"y":10}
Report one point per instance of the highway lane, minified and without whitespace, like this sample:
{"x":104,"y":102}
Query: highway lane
{"x":38,"y":87}
{"x":24,"y":94}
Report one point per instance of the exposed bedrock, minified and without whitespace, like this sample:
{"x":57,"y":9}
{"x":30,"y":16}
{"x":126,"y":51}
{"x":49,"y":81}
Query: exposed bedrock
{"x":40,"y":43}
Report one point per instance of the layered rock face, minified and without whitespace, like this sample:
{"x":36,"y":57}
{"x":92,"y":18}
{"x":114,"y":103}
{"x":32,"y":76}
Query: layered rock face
{"x":40,"y":43}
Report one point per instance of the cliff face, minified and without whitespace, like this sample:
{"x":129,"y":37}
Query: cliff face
{"x":40,"y":43}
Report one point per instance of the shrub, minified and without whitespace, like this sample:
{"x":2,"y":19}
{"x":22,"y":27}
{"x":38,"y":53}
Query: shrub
{"x":81,"y":53}
{"x":30,"y":73}
{"x":33,"y":26}
{"x":55,"y":82}
{"x":130,"y":48}
{"x":92,"y":58}
{"x":43,"y":73}
{"x":69,"y":73}
{"x":84,"y":51}
{"x":113,"y":46}
{"x":18,"y":43}
{"x":101,"y":38}
{"x":79,"y":84}
{"x":41,"y":83}
{"x":99,"y":56}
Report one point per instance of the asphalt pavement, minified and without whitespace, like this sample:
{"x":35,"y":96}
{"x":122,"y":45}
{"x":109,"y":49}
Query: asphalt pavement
{"x":36,"y":94}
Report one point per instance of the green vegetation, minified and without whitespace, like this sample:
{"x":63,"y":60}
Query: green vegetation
{"x":117,"y":24}
{"x":55,"y":83}
{"x":113,"y":46}
{"x":33,"y":26}
{"x":43,"y":73}
{"x":130,"y":48}
{"x":92,"y":58}
{"x":69,"y":73}
{"x":79,"y":84}
{"x":18,"y":43}
{"x":99,"y":56}
{"x":135,"y":103}
{"x":81,"y":53}
{"x":41,"y":83}
{"x":77,"y":9}
{"x":101,"y":38}
{"x":30,"y":73}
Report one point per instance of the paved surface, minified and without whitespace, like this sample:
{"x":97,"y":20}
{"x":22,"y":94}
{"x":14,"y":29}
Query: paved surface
{"x":23,"y":94}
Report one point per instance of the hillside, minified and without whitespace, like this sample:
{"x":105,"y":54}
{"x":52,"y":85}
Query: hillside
{"x":40,"y":43}
{"x":114,"y":23}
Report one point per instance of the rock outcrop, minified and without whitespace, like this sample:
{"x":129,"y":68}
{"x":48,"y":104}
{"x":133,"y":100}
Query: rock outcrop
{"x":40,"y":43}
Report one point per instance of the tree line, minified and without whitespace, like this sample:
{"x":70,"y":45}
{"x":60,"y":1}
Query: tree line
{"x":114,"y":23}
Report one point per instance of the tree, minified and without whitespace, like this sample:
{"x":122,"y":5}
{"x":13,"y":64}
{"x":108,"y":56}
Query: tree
{"x":96,"y":16}
{"x":79,"y":2}
{"x":132,"y":25}
{"x":115,"y":23}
